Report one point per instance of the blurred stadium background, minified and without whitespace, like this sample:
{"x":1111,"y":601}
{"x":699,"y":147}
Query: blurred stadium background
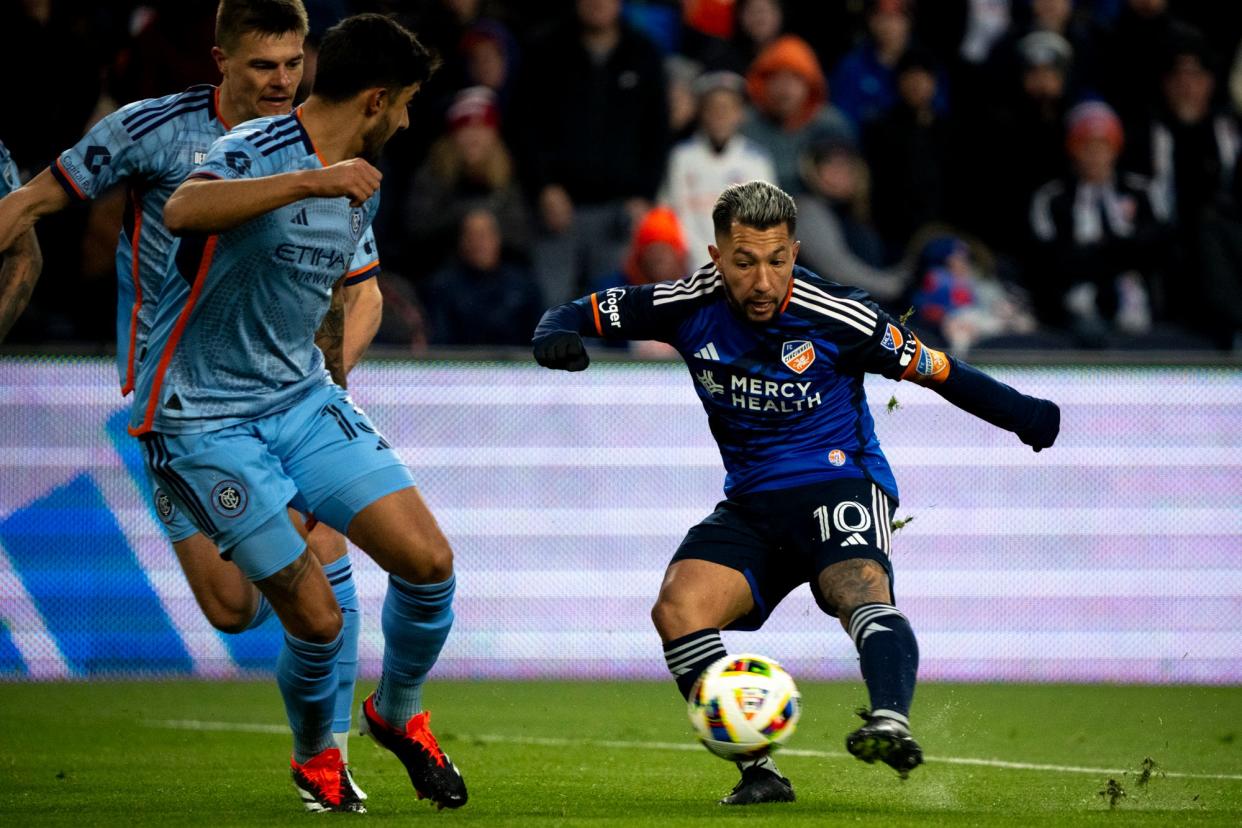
{"x":930,"y":144}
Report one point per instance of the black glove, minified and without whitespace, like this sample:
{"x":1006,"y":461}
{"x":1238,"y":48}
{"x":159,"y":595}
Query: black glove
{"x":561,"y":349}
{"x":1041,"y":430}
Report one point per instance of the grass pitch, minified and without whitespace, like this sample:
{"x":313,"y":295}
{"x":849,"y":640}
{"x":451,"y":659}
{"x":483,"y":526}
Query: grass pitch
{"x":558,"y":753}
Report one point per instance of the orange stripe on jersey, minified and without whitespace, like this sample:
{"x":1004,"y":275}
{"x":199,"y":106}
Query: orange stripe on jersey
{"x":298,"y":112}
{"x":599,"y":327}
{"x":200,"y":278}
{"x":362,"y":269}
{"x":72,"y":183}
{"x":133,"y":314}
{"x":215,"y":104}
{"x":788,"y":294}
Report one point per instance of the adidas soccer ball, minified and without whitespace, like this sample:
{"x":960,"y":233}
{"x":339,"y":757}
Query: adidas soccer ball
{"x":744,"y":706}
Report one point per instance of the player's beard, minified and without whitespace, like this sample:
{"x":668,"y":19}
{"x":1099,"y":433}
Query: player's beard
{"x":373,"y":142}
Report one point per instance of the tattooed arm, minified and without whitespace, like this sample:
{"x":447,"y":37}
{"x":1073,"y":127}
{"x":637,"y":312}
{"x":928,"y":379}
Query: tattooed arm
{"x":364,"y":306}
{"x":331,"y":336}
{"x":22,"y":264}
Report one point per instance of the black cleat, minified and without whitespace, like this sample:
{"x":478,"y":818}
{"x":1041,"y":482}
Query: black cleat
{"x":887,"y":740}
{"x":431,"y":771}
{"x":323,"y":785}
{"x":759,"y":785}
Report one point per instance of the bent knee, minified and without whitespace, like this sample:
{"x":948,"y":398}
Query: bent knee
{"x":432,"y":562}
{"x":321,"y":627}
{"x":674,"y":618}
{"x":229,"y":620}
{"x":845,"y":586}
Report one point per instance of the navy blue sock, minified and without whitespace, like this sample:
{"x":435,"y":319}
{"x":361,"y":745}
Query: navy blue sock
{"x":687,"y":657}
{"x":889,"y":656}
{"x":340,"y":576}
{"x":306,"y":674}
{"x":416,"y":621}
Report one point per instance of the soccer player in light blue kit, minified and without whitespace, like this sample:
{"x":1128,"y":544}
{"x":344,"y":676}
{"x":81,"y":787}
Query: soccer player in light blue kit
{"x":150,"y":146}
{"x":237,"y":412}
{"x":778,"y":356}
{"x":21,"y":263}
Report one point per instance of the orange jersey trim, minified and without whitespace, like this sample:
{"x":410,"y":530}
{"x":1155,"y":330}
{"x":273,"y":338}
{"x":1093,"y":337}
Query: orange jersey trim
{"x":133,"y":314}
{"x":298,"y":113}
{"x":72,"y":183}
{"x":165,"y":358}
{"x":216,"y":105}
{"x":363,"y":269}
{"x":599,"y":327}
{"x":788,"y":294}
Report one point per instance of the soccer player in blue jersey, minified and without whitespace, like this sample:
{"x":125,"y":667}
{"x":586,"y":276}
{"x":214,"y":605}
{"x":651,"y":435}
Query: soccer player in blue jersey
{"x":237,"y":413}
{"x":778,"y":356}
{"x":150,"y":147}
{"x":21,"y":263}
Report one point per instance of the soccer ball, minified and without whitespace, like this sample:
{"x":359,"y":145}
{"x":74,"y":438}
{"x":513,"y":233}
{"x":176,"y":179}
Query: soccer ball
{"x":744,"y":706}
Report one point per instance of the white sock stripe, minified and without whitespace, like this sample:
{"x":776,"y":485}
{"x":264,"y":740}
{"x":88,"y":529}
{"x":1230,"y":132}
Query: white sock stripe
{"x":714,"y":635}
{"x":861,"y":618}
{"x":892,"y":714}
{"x":713,"y":652}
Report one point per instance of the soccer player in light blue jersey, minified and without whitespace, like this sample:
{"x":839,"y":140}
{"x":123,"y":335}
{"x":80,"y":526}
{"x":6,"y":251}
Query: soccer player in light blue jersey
{"x":21,"y":263}
{"x":778,"y":356}
{"x":150,"y":147}
{"x":237,"y":412}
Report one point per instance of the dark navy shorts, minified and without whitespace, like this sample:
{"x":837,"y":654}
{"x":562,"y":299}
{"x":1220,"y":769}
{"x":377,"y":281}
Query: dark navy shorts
{"x":784,"y":538}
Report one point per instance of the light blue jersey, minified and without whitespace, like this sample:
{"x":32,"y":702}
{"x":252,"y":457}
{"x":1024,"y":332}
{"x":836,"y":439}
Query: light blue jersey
{"x":8,"y":172}
{"x":151,"y":146}
{"x":234,"y":334}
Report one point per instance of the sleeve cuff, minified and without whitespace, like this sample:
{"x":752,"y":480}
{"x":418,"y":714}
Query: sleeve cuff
{"x":362,"y":274}
{"x":63,"y":179}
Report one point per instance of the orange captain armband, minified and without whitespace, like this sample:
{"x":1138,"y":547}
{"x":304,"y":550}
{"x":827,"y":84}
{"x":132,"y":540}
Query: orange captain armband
{"x":923,"y":365}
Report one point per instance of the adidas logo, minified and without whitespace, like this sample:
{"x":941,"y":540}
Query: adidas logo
{"x":854,"y":539}
{"x":708,"y":351}
{"x":873,"y":627}
{"x":300,"y":218}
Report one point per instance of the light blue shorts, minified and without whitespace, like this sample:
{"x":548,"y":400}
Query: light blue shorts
{"x":235,"y":483}
{"x":172,"y":520}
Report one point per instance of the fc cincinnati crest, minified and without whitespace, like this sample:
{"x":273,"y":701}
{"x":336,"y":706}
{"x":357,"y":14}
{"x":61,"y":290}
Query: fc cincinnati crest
{"x":798,"y":354}
{"x":355,"y":223}
{"x":229,"y":498}
{"x":163,"y":506}
{"x":892,"y":339}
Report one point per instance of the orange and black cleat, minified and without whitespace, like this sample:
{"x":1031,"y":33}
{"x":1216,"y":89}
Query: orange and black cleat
{"x":431,"y":771}
{"x":324,"y":786}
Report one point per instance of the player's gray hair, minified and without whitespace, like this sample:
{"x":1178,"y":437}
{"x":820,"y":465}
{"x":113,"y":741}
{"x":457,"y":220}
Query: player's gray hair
{"x":755,"y":204}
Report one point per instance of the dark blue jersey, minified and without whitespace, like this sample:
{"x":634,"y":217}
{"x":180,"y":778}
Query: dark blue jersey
{"x":785,"y":399}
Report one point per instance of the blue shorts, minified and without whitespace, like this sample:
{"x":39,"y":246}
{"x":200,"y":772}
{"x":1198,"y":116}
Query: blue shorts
{"x":172,"y":520}
{"x":783,"y":538}
{"x":235,"y":483}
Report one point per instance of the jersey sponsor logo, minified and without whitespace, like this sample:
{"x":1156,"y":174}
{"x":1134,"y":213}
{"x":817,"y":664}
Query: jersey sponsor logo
{"x":836,"y":457}
{"x":229,"y":498}
{"x":355,"y":223}
{"x":797,"y":354}
{"x":96,"y":158}
{"x":610,"y":307}
{"x":893,"y":339}
{"x":164,"y":506}
{"x":317,"y":257}
{"x":708,"y":351}
{"x":754,"y":394}
{"x":199,"y":157}
{"x":238,"y":162}
{"x":708,"y":380}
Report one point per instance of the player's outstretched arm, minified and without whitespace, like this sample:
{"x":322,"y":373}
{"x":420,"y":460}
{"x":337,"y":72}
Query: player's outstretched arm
{"x":21,"y":209}
{"x":22,"y":265}
{"x":204,"y":204}
{"x":557,"y":342}
{"x":364,"y":308}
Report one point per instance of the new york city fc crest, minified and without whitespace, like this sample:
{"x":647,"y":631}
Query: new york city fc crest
{"x":355,"y":223}
{"x":164,"y":506}
{"x":229,"y":498}
{"x":797,"y":354}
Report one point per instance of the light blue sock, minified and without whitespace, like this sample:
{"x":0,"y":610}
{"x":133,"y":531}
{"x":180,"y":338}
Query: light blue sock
{"x":416,"y":621}
{"x":306,"y":675}
{"x":262,"y":612}
{"x":340,"y":576}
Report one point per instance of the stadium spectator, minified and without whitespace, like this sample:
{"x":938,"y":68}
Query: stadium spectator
{"x":864,"y":84}
{"x":838,"y":240}
{"x":1053,"y":17}
{"x":1130,"y":57}
{"x":757,"y":25}
{"x":790,"y":96}
{"x":1099,"y":238}
{"x":593,"y":113}
{"x":715,"y":157}
{"x":489,"y":57}
{"x":683,"y":106}
{"x":468,"y":168}
{"x":479,"y":298}
{"x":908,"y":150}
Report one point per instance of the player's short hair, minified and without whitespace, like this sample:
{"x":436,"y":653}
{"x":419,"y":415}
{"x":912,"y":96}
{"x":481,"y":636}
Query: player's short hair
{"x":368,"y":51}
{"x":755,"y":204}
{"x":235,"y":18}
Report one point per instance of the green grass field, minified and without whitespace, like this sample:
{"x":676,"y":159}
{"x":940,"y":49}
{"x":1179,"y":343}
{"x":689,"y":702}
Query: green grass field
{"x":558,"y":753}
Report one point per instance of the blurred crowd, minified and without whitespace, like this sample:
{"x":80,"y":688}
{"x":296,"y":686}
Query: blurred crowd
{"x":1017,"y":173}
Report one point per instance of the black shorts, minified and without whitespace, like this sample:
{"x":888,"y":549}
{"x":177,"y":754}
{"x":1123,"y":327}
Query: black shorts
{"x":784,"y":538}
